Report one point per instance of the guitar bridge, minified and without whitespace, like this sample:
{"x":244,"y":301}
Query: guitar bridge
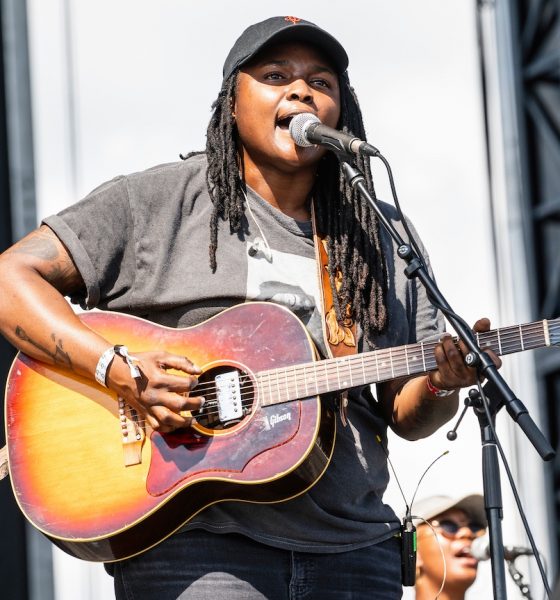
{"x":132,"y":434}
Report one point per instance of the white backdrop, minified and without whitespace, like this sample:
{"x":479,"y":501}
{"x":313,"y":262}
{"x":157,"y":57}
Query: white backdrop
{"x":121,"y":86}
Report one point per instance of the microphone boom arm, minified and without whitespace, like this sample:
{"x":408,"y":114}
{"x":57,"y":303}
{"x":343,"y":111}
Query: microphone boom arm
{"x":476,"y":357}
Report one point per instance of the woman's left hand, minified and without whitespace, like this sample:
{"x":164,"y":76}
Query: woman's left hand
{"x":452,"y":372}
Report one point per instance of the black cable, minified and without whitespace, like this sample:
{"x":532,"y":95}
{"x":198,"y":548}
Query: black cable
{"x":413,"y":242}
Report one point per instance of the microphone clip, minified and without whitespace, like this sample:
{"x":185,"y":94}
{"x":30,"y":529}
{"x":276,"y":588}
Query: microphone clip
{"x":259,"y":245}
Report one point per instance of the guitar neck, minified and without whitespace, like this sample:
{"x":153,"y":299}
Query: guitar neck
{"x":332,"y":375}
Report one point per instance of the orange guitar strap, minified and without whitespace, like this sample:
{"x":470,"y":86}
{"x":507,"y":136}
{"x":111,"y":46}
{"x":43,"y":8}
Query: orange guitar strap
{"x":339,"y":335}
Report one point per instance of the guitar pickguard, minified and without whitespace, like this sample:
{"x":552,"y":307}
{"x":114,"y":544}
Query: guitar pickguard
{"x":243,"y":454}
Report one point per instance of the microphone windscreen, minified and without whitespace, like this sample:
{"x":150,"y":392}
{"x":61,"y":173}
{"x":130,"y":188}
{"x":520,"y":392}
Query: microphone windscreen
{"x":298,"y":126}
{"x":480,"y":548}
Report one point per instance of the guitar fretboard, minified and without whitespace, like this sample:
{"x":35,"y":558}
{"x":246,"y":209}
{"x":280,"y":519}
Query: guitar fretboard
{"x":331,"y":375}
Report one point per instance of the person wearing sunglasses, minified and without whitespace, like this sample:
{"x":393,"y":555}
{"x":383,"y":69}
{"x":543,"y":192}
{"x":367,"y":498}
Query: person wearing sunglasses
{"x":446,"y":528}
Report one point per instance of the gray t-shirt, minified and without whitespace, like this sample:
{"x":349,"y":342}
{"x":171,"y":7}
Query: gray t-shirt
{"x":141,"y":245}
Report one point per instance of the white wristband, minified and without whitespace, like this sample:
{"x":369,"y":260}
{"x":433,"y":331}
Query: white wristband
{"x":103,"y":364}
{"x":107,"y":358}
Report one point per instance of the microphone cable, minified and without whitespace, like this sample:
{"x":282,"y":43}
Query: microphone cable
{"x":413,"y":242}
{"x":408,"y":529}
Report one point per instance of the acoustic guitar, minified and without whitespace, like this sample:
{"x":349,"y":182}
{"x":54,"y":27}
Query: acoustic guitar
{"x":91,"y":475}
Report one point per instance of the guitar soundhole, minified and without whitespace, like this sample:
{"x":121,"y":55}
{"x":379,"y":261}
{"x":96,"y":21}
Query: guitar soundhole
{"x":229,"y":392}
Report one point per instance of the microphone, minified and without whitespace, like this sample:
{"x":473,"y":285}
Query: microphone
{"x":480,"y":549}
{"x":307,"y":130}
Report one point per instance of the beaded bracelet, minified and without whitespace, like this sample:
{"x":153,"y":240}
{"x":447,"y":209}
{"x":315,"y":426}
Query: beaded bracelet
{"x":436,"y":391}
{"x":107,"y":358}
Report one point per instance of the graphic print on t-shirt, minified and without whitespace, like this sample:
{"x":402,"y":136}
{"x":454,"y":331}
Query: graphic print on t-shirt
{"x":267,"y":281}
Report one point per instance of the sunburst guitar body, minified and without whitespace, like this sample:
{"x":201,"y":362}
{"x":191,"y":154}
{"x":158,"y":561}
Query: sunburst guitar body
{"x":89,"y":473}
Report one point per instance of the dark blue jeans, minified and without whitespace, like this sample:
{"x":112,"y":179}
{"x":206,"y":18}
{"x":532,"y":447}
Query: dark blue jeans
{"x":205,"y":566}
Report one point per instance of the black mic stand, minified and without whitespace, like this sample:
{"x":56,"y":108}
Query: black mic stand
{"x":475,"y":358}
{"x":491,"y":483}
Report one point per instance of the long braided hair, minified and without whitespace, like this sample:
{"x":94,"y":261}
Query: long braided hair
{"x":350,"y":227}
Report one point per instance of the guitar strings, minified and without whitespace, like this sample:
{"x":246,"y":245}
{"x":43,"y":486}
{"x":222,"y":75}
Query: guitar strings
{"x":278,"y":377}
{"x":396,"y":355}
{"x":274,"y":377}
{"x":141,"y":421}
{"x":506,"y":340}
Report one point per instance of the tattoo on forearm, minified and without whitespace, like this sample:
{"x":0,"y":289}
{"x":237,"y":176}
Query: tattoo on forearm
{"x":59,"y":356}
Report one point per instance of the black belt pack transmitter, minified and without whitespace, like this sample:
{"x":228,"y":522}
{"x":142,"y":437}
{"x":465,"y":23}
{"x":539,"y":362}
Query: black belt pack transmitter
{"x":408,"y":552}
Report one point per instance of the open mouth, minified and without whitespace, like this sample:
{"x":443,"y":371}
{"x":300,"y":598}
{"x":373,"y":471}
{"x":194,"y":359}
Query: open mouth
{"x":466,"y":558}
{"x":284,"y":122}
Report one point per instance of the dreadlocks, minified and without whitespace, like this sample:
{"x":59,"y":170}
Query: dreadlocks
{"x":349,"y":225}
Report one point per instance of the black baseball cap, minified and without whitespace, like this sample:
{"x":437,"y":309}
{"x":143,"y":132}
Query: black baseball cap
{"x":283,"y":29}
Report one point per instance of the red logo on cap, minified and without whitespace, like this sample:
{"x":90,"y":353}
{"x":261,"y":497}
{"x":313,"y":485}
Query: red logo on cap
{"x":292,"y":20}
